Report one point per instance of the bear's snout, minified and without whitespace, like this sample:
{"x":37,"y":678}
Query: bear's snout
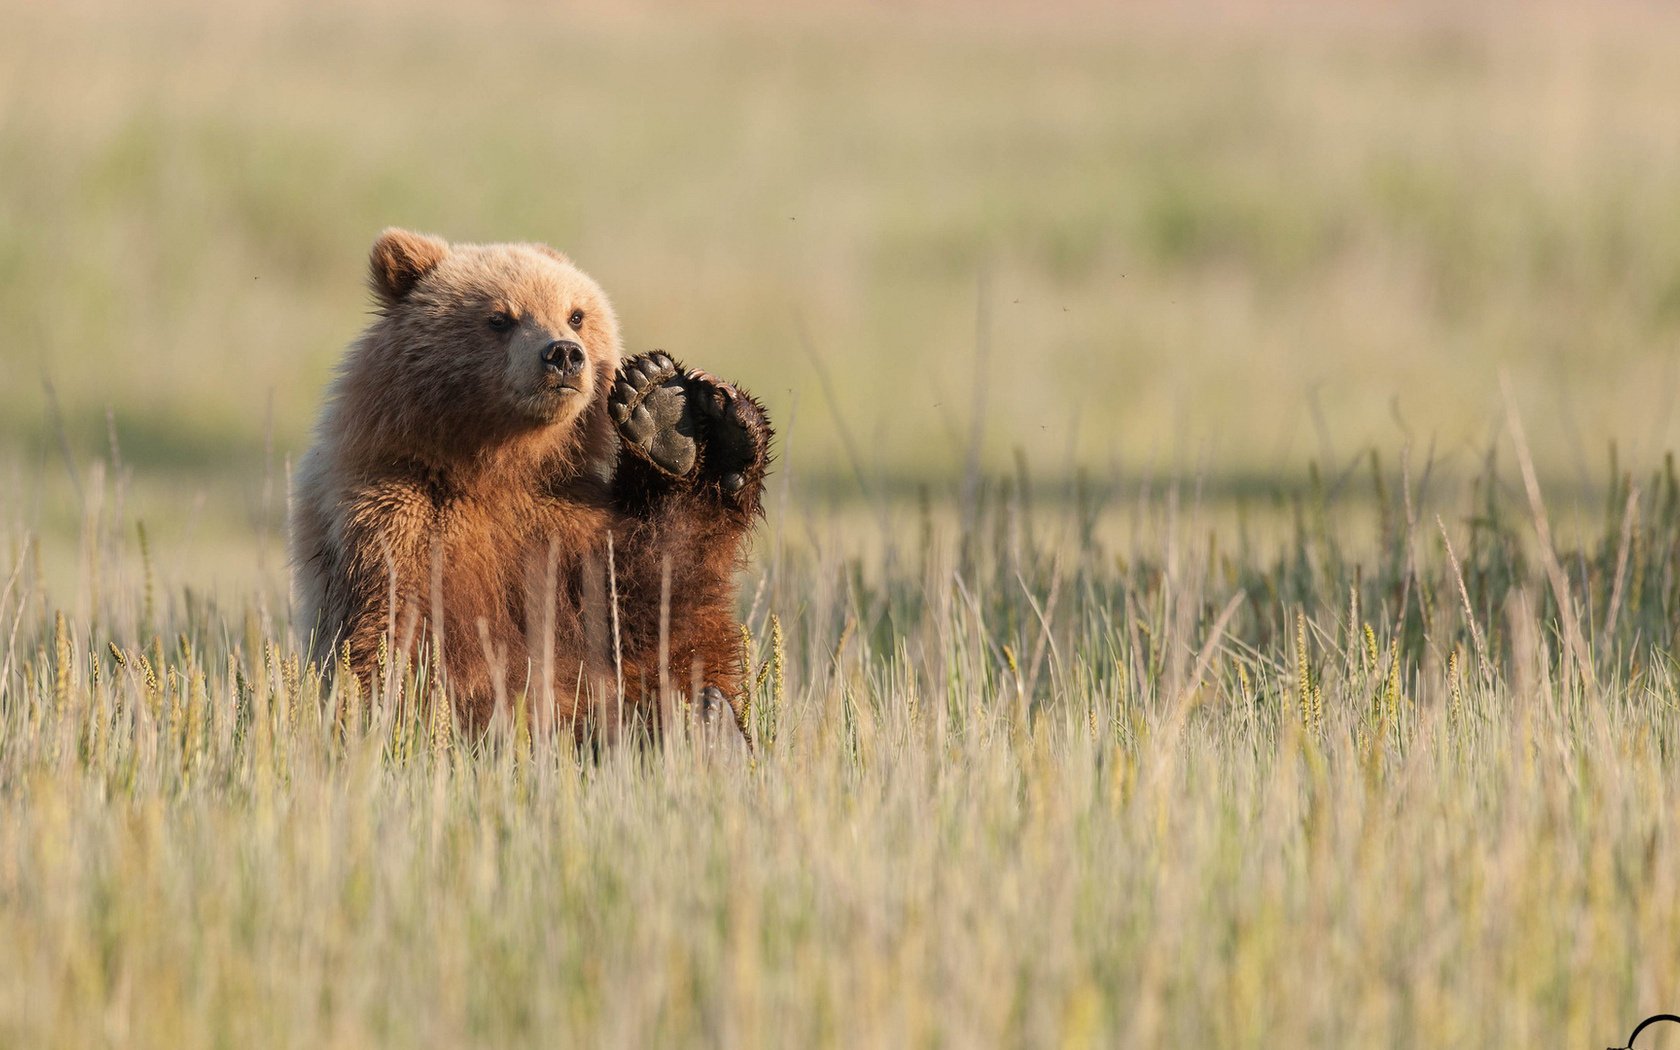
{"x":563,"y":357}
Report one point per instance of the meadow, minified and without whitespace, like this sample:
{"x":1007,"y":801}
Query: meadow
{"x":1219,"y":587}
{"x":1013,"y":785}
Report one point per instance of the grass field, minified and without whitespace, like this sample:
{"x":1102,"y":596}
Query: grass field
{"x":1169,"y":634}
{"x":1013,"y":785}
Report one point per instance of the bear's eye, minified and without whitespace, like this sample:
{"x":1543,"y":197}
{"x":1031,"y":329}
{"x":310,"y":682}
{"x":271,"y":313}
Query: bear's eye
{"x":500,"y":322}
{"x":577,"y":319}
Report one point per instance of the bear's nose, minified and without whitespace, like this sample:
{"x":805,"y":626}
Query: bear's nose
{"x":564,"y":356}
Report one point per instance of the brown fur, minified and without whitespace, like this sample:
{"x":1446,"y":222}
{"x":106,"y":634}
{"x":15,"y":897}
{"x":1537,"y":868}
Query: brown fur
{"x":454,"y":495}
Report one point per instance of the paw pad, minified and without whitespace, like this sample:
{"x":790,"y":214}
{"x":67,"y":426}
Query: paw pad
{"x":649,"y":402}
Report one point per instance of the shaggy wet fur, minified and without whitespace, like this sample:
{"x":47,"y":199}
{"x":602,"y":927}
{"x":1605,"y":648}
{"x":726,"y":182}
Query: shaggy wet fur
{"x":462,"y":498}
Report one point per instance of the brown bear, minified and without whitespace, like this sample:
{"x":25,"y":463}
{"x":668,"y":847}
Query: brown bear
{"x":492,"y":488}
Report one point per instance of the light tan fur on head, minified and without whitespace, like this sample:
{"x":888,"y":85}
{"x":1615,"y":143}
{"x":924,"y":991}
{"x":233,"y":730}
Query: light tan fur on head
{"x":451,"y":372}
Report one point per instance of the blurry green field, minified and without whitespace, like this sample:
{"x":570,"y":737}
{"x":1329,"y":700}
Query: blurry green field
{"x":1162,"y":715}
{"x":1211,"y":241}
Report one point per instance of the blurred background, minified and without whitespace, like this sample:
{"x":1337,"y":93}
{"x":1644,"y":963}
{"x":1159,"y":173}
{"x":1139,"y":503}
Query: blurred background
{"x":1135,"y":242}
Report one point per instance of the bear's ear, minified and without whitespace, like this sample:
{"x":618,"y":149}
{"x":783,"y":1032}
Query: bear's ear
{"x":398,"y":261}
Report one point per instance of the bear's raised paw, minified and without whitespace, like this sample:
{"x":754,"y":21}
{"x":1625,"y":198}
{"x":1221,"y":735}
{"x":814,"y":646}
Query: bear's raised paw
{"x":687,"y":423}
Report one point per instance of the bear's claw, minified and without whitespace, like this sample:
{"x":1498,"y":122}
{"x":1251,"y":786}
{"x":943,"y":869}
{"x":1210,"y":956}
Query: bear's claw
{"x":723,"y":722}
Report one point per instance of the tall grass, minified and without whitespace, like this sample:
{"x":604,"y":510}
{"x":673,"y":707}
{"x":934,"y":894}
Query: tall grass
{"x":1397,"y":783}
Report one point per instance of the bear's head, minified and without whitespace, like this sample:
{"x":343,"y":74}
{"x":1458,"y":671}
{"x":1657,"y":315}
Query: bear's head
{"x":480,"y":352}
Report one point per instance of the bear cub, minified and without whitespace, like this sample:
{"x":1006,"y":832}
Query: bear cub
{"x":494,"y":489}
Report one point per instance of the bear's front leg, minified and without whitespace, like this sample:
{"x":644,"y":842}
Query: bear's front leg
{"x":691,"y":479}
